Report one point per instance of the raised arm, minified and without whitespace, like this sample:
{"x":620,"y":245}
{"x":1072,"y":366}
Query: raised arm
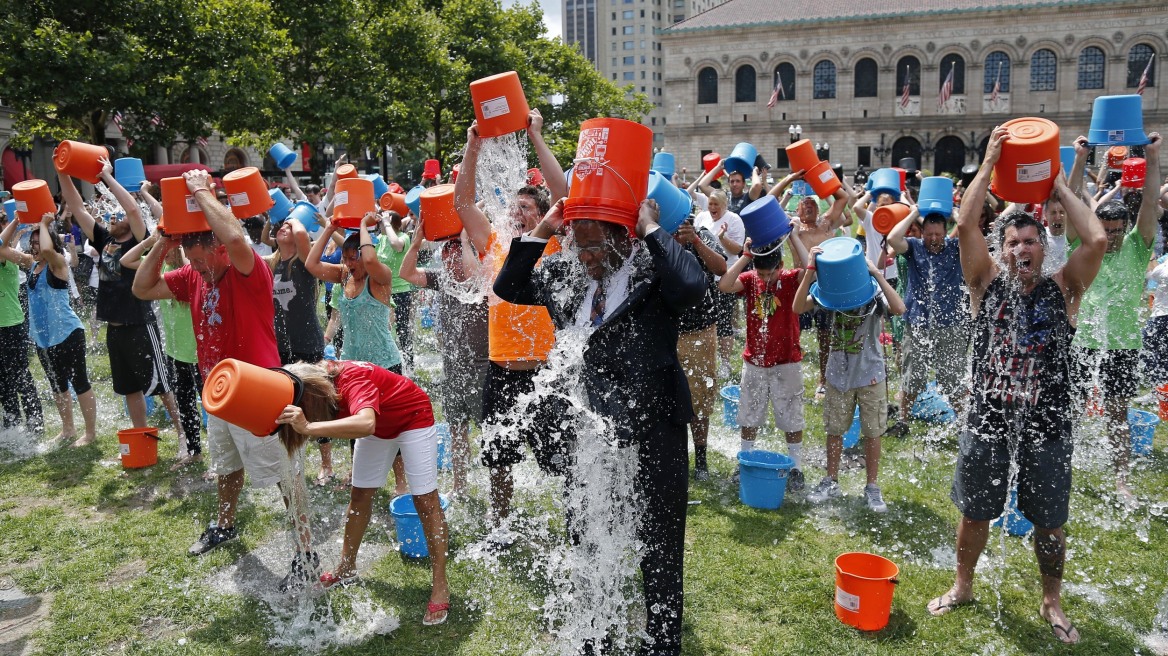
{"x":408,"y":271}
{"x":549,"y":166}
{"x":895,"y":303}
{"x":149,"y":284}
{"x":129,"y":205}
{"x":1149,"y":215}
{"x":7,"y":252}
{"x":367,"y":251}
{"x":976,"y":265}
{"x":476,"y":224}
{"x":1079,"y":167}
{"x":729,"y":283}
{"x":798,"y":248}
{"x":325,"y":271}
{"x":803,"y":301}
{"x":300,"y":236}
{"x":294,"y":186}
{"x":704,"y":181}
{"x":779,"y":188}
{"x":1083,"y":263}
{"x":56,"y":261}
{"x":223,"y":223}
{"x":896,"y":236}
{"x":76,"y":205}
{"x":835,"y":214}
{"x":757,"y":184}
{"x":151,"y":202}
{"x":133,"y":257}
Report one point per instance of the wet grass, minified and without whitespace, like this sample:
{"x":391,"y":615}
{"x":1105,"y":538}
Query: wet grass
{"x":110,"y":545}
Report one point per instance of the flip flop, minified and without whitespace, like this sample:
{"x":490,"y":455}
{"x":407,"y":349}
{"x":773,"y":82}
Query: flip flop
{"x":945,"y":607}
{"x":433,"y":608}
{"x":330,"y":580}
{"x":1063,"y":633}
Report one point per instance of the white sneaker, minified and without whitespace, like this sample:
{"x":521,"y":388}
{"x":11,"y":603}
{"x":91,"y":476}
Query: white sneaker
{"x":826,"y":489}
{"x":875,"y":499}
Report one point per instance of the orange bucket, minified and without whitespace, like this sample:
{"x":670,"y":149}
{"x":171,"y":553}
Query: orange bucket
{"x":394,"y":202}
{"x":1115,"y":157}
{"x":802,"y":155}
{"x":439,"y":218}
{"x":1162,"y":395}
{"x":499,"y":104}
{"x":80,"y":160}
{"x":346,"y":171}
{"x":139,"y":447}
{"x":33,"y":200}
{"x":352,"y":200}
{"x":247,"y":192}
{"x":1026,"y":170}
{"x":864,"y":584}
{"x":822,"y":179}
{"x":610,"y":176}
{"x":249,"y":396}
{"x":182,"y":212}
{"x":885,"y":218}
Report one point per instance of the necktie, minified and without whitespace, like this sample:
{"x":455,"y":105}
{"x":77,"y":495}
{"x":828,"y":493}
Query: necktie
{"x":598,"y":305}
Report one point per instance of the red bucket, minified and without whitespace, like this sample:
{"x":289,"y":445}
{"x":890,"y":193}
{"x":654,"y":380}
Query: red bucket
{"x":1134,"y":171}
{"x":864,"y":584}
{"x":710,"y":162}
{"x":611,"y":171}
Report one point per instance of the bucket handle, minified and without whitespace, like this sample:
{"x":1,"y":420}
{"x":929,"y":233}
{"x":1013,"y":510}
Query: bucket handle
{"x":596,"y":160}
{"x":297,"y":389}
{"x":152,"y":434}
{"x":894,"y":581}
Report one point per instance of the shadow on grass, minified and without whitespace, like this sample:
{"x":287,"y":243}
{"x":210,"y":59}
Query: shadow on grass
{"x":1033,"y":635}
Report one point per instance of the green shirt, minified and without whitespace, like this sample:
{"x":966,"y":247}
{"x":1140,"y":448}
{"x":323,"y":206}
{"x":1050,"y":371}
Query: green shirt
{"x":393,"y":259}
{"x":10,"y":312}
{"x":1109,"y":316}
{"x":178,"y":328}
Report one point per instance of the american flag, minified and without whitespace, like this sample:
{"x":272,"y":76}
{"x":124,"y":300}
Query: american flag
{"x":778,"y":93}
{"x":1144,"y":77}
{"x":904,"y":95}
{"x":117,"y":118}
{"x":997,"y":85}
{"x":946,"y":89}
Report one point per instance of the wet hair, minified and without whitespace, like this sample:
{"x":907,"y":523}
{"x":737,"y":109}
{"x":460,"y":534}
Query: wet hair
{"x":352,"y":242}
{"x":736,"y":173}
{"x":1113,"y":210}
{"x":319,"y":399}
{"x":1020,"y":220}
{"x":935,"y":217}
{"x":539,"y":195}
{"x":770,"y":261}
{"x":206,"y":239}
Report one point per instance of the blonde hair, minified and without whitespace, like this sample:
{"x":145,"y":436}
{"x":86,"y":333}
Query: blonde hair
{"x":318,"y":399}
{"x":720,"y":196}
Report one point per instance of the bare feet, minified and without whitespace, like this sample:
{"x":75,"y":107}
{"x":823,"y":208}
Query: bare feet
{"x":1063,"y":630}
{"x":188,"y":459}
{"x":85,"y":440}
{"x":325,"y":477}
{"x":947,"y":603}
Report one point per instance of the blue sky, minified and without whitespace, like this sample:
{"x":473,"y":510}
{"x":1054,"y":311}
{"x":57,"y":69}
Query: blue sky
{"x":552,"y":12}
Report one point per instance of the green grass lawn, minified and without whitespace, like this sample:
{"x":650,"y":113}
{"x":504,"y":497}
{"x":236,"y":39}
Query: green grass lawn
{"x":104,"y":549}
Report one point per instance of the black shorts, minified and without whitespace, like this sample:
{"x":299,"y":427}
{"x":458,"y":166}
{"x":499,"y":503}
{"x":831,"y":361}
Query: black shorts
{"x":64,"y":364}
{"x":137,"y":363}
{"x":724,"y":313}
{"x":981,"y":482}
{"x":504,"y":433}
{"x":1118,"y":372}
{"x":819,"y":318}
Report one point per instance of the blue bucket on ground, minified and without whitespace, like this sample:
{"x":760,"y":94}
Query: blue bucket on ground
{"x":1142,"y":426}
{"x":663,"y":163}
{"x":414,"y":200}
{"x":930,"y":406}
{"x":765,"y":222}
{"x":885,"y":181}
{"x":304,"y":212}
{"x":674,"y":203}
{"x":763,"y":478}
{"x":282,"y":155}
{"x":282,"y":206}
{"x":408,"y":525}
{"x":444,"y":460}
{"x":1117,"y":121}
{"x":741,"y":160}
{"x":843,"y":282}
{"x":1016,"y":523}
{"x":129,"y":173}
{"x":380,"y":186}
{"x":852,"y":437}
{"x":730,"y":396}
{"x":10,"y":208}
{"x":936,"y":196}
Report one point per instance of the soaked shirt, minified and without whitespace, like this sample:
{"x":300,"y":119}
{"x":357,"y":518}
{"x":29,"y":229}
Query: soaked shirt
{"x":399,"y":404}
{"x":116,"y":302}
{"x":856,"y":359}
{"x":295,"y":292}
{"x":772,"y":327}
{"x":1109,"y":314}
{"x":934,"y":298}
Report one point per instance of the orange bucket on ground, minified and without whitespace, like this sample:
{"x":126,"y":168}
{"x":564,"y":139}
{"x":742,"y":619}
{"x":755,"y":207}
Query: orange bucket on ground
{"x":247,"y":192}
{"x":33,"y":200}
{"x":864,"y":584}
{"x":80,"y":160}
{"x":394,"y":202}
{"x":439,"y":218}
{"x":1162,"y":396}
{"x":610,"y":176}
{"x":499,"y":104}
{"x":139,"y":447}
{"x":1029,"y":163}
{"x":345,"y":171}
{"x":885,"y":218}
{"x":182,"y":212}
{"x":249,"y":396}
{"x":802,"y":155}
{"x":352,"y":200}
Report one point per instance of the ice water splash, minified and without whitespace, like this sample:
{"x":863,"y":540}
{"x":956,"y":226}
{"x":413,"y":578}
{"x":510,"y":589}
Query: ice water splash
{"x":18,"y":444}
{"x":501,"y":172}
{"x":316,"y":623}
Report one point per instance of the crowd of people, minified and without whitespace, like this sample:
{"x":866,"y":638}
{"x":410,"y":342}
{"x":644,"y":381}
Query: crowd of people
{"x":1019,"y":313}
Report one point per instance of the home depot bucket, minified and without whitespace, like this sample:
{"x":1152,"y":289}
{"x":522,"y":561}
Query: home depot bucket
{"x":1029,"y":162}
{"x":610,"y":171}
{"x":181,"y":210}
{"x":935,"y":196}
{"x":80,"y":160}
{"x":674,"y":204}
{"x":665,"y":164}
{"x":282,"y":155}
{"x":823,"y":180}
{"x":1134,"y":171}
{"x":885,"y":217}
{"x":763,"y":478}
{"x":305,"y":212}
{"x":129,"y":173}
{"x":741,"y":160}
{"x":843,"y":281}
{"x":1142,"y":426}
{"x":802,"y":155}
{"x":710,"y":161}
{"x":247,"y":193}
{"x":139,"y":447}
{"x":765,"y":222}
{"x":249,"y":396}
{"x":281,"y":206}
{"x":33,"y":200}
{"x":408,"y":525}
{"x":884,"y":181}
{"x":346,"y":171}
{"x":499,"y":104}
{"x":352,"y":200}
{"x":1117,"y":120}
{"x":864,"y":585}
{"x":441,"y":219}
{"x":730,"y":395}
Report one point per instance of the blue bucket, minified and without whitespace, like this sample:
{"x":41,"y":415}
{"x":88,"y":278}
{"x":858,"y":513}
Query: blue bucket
{"x":765,"y":222}
{"x":282,"y":155}
{"x":304,"y":212}
{"x":763,"y":478}
{"x":408,"y":525}
{"x":10,"y":208}
{"x":885,"y":181}
{"x":844,"y":282}
{"x":1016,"y":523}
{"x":129,"y":173}
{"x":282,"y":206}
{"x":414,"y":199}
{"x":380,"y":186}
{"x":936,"y":196}
{"x":1142,"y":426}
{"x":673,"y":203}
{"x":663,"y":163}
{"x":801,"y":188}
{"x":741,"y":160}
{"x":1117,"y":121}
{"x":444,"y":459}
{"x":730,"y":396}
{"x":930,"y":406}
{"x":1067,"y":159}
{"x":852,"y":437}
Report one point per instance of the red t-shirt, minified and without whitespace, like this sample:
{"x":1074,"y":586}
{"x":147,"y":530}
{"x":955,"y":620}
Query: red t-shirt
{"x":234,"y":318}
{"x":399,"y":403}
{"x":772,"y":328}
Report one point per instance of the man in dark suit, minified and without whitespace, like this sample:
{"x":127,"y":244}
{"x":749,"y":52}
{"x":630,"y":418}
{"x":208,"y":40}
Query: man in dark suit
{"x":631,"y":292}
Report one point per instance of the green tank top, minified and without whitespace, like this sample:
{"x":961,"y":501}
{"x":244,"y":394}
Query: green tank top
{"x":393,"y":259}
{"x":368,"y":337}
{"x":10,"y":312}
{"x":178,"y":328}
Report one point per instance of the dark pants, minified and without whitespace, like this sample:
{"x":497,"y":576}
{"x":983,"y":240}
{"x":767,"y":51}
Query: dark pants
{"x":403,"y":312}
{"x":17,"y":390}
{"x":186,"y":382}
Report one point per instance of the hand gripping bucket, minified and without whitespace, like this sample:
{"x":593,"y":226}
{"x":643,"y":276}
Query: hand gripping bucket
{"x":394,"y":202}
{"x":730,"y":395}
{"x":741,"y":160}
{"x":936,"y":196}
{"x":710,"y":161}
{"x":1015,"y":522}
{"x":283,"y":156}
{"x":281,"y":206}
{"x":499,"y":104}
{"x":304,"y":212}
{"x":1117,"y":120}
{"x":129,"y":173}
{"x":182,"y":213}
{"x":380,"y":187}
{"x":139,"y":447}
{"x":1026,"y":170}
{"x":765,"y":222}
{"x":413,"y":200}
{"x":611,"y":171}
{"x":80,"y":160}
{"x":247,"y":193}
{"x":33,"y":200}
{"x":346,"y":171}
{"x":1134,"y":171}
{"x":763,"y":478}
{"x":885,"y":217}
{"x":864,"y":585}
{"x":884,"y":181}
{"x":249,"y":396}
{"x":441,"y":219}
{"x":352,"y":200}
{"x":843,"y":280}
{"x":1142,"y":426}
{"x":673,"y":203}
{"x":408,"y":525}
{"x":665,"y":164}
{"x":431,"y":170}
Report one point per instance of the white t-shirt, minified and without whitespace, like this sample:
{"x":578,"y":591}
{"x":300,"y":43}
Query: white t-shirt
{"x":1056,"y":250}
{"x":701,"y":200}
{"x":874,"y":250}
{"x":735,"y":230}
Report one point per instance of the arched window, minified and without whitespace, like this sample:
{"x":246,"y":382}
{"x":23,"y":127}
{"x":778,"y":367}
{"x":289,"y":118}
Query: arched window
{"x":707,"y":86}
{"x":236,"y":158}
{"x":908,"y":71}
{"x":823,"y":80}
{"x":866,"y":76}
{"x":1091,"y":63}
{"x":785,"y":74}
{"x":955,"y":63}
{"x":1140,"y":58}
{"x":745,"y":84}
{"x":1043,"y":70}
{"x":997,"y":72}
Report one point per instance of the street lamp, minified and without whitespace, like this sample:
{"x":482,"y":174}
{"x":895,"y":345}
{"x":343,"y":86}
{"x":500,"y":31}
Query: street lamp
{"x":881,"y":150}
{"x":796,"y":132}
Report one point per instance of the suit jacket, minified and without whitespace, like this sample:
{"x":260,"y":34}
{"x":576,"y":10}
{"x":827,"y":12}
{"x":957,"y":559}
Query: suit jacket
{"x":634,"y":377}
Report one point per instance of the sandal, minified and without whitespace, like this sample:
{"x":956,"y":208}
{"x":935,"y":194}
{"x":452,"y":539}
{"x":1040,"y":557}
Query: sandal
{"x":433,"y":609}
{"x":939,"y":606}
{"x":329,"y":580}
